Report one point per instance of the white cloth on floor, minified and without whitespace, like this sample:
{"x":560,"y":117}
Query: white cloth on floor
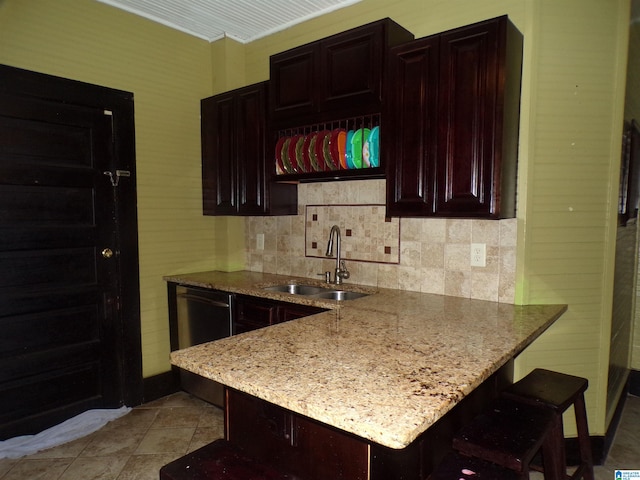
{"x":72,"y":429}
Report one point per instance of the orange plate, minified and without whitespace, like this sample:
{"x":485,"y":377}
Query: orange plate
{"x":334,"y":152}
{"x":342,"y":149}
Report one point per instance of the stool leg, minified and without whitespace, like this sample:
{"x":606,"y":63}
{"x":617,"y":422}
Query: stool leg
{"x":583,"y":437}
{"x":553,"y":452}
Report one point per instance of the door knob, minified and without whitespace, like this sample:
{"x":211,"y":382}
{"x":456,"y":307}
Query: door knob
{"x":107,"y":253}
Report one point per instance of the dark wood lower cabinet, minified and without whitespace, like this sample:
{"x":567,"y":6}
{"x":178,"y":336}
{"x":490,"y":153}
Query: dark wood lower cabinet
{"x":310,"y":450}
{"x":252,"y":313}
{"x":292,"y":443}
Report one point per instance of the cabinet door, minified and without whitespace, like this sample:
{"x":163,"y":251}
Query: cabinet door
{"x":250,"y":149}
{"x":351,"y":66}
{"x":252,"y":313}
{"x":294,"y":444}
{"x":294,"y":82}
{"x":409,"y":140}
{"x":219,"y":180}
{"x":290,"y":311}
{"x":469,"y":118}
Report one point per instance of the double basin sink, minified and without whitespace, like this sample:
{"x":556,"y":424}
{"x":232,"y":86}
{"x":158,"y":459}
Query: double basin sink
{"x":315,"y":291}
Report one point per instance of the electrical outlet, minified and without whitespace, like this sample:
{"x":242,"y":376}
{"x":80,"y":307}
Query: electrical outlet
{"x":260,"y":241}
{"x":478,"y":254}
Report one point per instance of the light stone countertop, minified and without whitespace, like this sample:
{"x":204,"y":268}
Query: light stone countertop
{"x":384,"y":367}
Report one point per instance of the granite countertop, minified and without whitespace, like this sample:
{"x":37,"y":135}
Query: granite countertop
{"x":384,"y":367}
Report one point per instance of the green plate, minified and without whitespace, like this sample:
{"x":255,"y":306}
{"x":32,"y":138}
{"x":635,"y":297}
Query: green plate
{"x":357,"y":141}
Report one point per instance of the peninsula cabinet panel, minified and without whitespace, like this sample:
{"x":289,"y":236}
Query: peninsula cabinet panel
{"x":465,"y":138}
{"x":292,"y":443}
{"x":234,"y":175}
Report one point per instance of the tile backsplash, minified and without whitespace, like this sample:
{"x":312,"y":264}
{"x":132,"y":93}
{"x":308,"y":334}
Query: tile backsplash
{"x":367,"y":236}
{"x":430,"y":255}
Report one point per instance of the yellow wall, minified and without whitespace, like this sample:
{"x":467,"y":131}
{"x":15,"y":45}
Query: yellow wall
{"x":569,"y":241}
{"x":168,"y":73}
{"x":575,"y":55}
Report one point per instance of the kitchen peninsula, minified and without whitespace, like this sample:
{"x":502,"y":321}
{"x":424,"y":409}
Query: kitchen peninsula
{"x":381,"y":369}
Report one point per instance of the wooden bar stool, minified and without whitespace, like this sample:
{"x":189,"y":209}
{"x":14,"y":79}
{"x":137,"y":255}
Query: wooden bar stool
{"x":510,"y":434}
{"x":460,"y":467}
{"x":557,"y":392}
{"x":218,"y":460}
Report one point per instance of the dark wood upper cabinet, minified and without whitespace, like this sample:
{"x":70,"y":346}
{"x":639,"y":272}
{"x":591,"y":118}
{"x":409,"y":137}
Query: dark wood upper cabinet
{"x":453,"y":106}
{"x":411,"y":129}
{"x":294,"y":82}
{"x":332,"y":78}
{"x":235,"y":180}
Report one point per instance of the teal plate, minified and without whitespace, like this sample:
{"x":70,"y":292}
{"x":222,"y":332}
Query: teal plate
{"x":349,"y":150}
{"x":374,"y":147}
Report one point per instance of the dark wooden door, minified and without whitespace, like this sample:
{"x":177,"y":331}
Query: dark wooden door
{"x":478,"y":118}
{"x":295,"y":82}
{"x":250,"y":149}
{"x":451,"y":123}
{"x":63,"y":344}
{"x":467,"y":113}
{"x":233,"y":150}
{"x":236,"y":176}
{"x":351,"y":66}
{"x":219,"y":180}
{"x":411,"y":127}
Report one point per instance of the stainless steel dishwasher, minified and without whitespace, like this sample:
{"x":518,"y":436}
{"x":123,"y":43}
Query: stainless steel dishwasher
{"x":203,"y":315}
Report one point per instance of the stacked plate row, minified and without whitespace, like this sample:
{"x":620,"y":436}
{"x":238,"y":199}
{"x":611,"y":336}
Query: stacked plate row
{"x":327,"y":150}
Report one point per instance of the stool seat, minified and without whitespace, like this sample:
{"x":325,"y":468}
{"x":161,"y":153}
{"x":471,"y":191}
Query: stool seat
{"x":550,"y":389}
{"x":509,"y":435}
{"x":556,"y":392}
{"x":219,"y":460}
{"x":460,"y":467}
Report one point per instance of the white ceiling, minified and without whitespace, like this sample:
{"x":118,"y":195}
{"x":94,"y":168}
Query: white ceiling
{"x":241,"y":20}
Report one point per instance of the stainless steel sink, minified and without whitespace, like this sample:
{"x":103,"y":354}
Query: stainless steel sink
{"x":340,"y":295}
{"x":296,"y":289}
{"x":315,"y":291}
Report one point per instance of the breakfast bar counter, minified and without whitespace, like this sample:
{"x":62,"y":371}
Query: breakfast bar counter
{"x":384,"y":367}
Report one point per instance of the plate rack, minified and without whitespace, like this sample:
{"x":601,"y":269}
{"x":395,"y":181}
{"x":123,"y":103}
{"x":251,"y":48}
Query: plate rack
{"x":297,"y":158}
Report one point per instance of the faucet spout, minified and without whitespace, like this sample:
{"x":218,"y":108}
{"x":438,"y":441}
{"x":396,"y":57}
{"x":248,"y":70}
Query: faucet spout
{"x":341,"y":271}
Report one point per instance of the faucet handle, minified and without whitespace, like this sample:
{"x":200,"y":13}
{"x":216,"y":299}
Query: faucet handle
{"x":327,"y":276}
{"x":344,"y":273}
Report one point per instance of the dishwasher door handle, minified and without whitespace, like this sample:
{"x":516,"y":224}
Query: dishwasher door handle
{"x":208,"y":301}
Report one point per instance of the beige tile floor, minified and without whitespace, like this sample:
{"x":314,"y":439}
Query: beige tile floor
{"x":135,"y":446}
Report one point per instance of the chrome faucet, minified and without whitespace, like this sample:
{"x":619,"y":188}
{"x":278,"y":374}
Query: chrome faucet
{"x":341,"y":271}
